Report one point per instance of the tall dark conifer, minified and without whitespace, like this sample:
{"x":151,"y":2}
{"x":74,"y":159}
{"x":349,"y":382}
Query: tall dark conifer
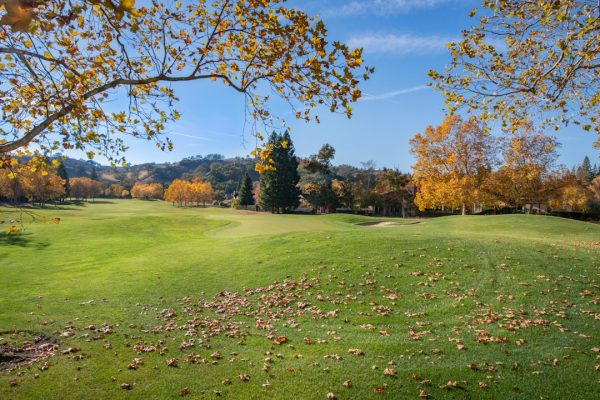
{"x":278,"y":187}
{"x":245,"y":191}
{"x":61,"y":171}
{"x":585,"y":172}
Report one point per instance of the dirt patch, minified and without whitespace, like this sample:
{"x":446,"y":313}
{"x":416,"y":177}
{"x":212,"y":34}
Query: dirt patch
{"x":20,"y":348}
{"x":387,"y":224}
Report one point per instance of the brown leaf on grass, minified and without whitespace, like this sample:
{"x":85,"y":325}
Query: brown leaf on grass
{"x":70,"y":350}
{"x":460,"y":346}
{"x":483,"y":385}
{"x":425,"y":382}
{"x":390,"y":372}
{"x":126,"y":386}
{"x":135,"y":363}
{"x":474,"y":367}
{"x":450,"y":385}
{"x":171,"y":362}
{"x":185,"y":391}
{"x":186,"y":344}
{"x":379,"y":389}
{"x":424,"y":394}
{"x":44,"y":366}
{"x":216,"y":355}
{"x":356,"y":352}
{"x":347,"y":383}
{"x":280,"y":339}
{"x":384,"y":333}
{"x":244,"y":377}
{"x":330,"y":396}
{"x":14,"y":382}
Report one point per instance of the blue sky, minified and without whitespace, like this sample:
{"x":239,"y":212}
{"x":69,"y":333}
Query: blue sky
{"x":402,"y":39}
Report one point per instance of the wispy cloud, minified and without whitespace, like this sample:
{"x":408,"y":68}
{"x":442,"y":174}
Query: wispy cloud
{"x":395,"y":93}
{"x":188,"y":136}
{"x":400,"y":44}
{"x":382,"y":7}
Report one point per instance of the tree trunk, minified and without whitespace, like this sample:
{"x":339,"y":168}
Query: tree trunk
{"x":463,"y":209}
{"x":403,"y":207}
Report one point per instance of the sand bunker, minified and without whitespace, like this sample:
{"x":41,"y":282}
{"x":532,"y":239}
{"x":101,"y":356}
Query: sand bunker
{"x":387,"y":224}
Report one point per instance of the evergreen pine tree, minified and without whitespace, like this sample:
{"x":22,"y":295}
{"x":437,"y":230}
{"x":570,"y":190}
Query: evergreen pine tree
{"x":61,"y":171}
{"x":278,"y":187}
{"x":585,"y":172}
{"x":245,"y":195}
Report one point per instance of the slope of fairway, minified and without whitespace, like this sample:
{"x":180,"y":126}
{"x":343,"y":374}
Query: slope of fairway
{"x":252,"y":306}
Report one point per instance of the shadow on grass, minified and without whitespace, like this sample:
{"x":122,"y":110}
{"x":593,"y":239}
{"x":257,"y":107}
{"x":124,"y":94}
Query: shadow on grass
{"x":21,"y":240}
{"x":74,"y":204}
{"x":85,"y":202}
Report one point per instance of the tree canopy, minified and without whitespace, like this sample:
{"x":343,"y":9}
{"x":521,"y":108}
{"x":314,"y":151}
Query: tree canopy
{"x":278,"y":184}
{"x":451,"y":161}
{"x":245,"y":194}
{"x":528,"y":59}
{"x":61,"y":65}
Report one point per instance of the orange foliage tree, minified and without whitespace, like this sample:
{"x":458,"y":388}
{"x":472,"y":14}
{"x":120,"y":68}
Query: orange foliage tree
{"x":116,"y":190}
{"x":85,"y":188}
{"x":147,"y":191}
{"x":528,"y":156}
{"x":525,"y":58}
{"x":201,"y":192}
{"x":76,"y":55}
{"x":184,"y":192}
{"x":36,"y":186}
{"x":452,"y":162}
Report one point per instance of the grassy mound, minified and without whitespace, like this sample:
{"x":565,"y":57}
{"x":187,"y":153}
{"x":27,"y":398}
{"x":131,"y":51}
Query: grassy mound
{"x":150,"y":301}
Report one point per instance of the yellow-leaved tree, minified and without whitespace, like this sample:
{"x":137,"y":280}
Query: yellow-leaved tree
{"x":62,"y":62}
{"x":147,"y":191}
{"x":526,"y":58}
{"x":528,"y":156}
{"x":453,"y":160}
{"x":57,"y":77}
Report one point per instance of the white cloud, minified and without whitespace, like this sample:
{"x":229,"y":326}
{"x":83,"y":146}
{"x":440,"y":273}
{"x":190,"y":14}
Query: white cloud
{"x":395,"y":93}
{"x":400,"y":44}
{"x":383,"y":7}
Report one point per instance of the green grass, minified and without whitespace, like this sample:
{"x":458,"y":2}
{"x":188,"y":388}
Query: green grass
{"x":121,"y":263}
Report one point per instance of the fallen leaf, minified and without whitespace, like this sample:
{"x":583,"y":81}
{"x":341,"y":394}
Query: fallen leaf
{"x":171,"y":362}
{"x":185,"y":391}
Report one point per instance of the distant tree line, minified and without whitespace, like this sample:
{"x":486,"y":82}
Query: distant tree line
{"x":33,"y":186}
{"x":462,"y":167}
{"x":185,"y":193}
